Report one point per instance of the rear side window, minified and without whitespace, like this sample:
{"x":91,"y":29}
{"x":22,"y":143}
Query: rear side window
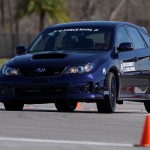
{"x":136,"y":38}
{"x":146,"y":38}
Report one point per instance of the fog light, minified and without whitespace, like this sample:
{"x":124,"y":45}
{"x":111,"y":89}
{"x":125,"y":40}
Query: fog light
{"x":97,"y":89}
{"x":88,"y":88}
{"x":6,"y":91}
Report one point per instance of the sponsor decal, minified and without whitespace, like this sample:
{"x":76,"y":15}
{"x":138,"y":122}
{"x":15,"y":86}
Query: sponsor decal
{"x":104,"y":71}
{"x":78,"y":29}
{"x":127,"y":67}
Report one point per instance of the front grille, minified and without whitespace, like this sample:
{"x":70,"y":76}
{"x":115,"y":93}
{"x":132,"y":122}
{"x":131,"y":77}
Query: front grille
{"x":47,"y":72}
{"x":40,"y":91}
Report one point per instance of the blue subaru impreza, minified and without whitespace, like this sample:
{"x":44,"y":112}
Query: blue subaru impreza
{"x":92,"y":61}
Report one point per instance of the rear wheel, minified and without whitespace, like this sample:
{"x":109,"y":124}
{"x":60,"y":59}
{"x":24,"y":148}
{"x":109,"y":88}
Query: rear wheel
{"x":147,"y":106}
{"x":13,"y":106}
{"x":108,"y":105}
{"x":68,"y":106}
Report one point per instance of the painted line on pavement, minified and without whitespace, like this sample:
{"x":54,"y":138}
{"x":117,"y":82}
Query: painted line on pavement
{"x":65,"y":142}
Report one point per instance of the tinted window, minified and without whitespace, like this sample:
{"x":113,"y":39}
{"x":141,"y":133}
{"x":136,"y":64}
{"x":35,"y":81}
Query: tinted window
{"x":122,"y":36}
{"x":136,"y":38}
{"x":146,"y":38}
{"x":74,"y":38}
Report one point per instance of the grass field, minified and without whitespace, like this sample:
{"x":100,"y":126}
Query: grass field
{"x":2,"y":61}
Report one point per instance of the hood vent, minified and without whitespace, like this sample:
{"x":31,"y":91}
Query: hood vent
{"x":49,"y":56}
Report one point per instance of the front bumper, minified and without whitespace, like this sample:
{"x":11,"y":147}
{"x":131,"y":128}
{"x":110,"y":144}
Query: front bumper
{"x":49,"y":90}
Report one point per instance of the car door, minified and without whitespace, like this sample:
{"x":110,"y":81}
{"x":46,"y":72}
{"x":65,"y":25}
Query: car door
{"x":129,"y":67}
{"x":143,"y":57}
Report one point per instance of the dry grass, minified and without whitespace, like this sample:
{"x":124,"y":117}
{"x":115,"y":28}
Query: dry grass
{"x":2,"y":61}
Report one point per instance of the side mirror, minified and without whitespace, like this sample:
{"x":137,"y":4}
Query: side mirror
{"x":125,"y":47}
{"x":20,"y":49}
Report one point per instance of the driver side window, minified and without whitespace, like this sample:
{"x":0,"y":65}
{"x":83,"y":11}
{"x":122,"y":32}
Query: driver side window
{"x":122,"y":36}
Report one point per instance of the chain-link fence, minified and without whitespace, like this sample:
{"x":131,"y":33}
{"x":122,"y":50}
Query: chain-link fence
{"x":8,"y":43}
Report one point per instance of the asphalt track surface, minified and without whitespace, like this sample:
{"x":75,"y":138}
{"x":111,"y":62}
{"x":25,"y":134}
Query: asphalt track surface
{"x":41,"y":127}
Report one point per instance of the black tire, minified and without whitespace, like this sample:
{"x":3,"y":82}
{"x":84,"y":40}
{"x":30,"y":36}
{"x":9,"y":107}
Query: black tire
{"x":108,"y":105}
{"x":147,"y":106}
{"x":13,"y":106}
{"x":66,"y":106}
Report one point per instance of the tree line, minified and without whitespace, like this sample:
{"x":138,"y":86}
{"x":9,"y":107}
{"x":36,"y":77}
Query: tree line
{"x":32,"y":16}
{"x":13,"y":11}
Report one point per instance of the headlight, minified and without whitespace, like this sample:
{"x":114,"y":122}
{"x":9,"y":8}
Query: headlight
{"x":9,"y":71}
{"x":80,"y":69}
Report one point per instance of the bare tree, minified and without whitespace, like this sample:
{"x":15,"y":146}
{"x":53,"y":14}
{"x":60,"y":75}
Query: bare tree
{"x":89,"y":9}
{"x":2,"y":13}
{"x":10,"y":12}
{"x":115,"y":12}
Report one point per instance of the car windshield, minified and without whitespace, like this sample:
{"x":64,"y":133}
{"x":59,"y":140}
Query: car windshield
{"x":73,"y":38}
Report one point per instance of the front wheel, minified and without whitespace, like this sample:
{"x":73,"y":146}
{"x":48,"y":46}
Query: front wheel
{"x":68,"y":106}
{"x":13,"y":106}
{"x":108,"y":105}
{"x":147,"y":106}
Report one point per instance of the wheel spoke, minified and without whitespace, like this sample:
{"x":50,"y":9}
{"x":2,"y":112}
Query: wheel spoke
{"x":113,"y":91}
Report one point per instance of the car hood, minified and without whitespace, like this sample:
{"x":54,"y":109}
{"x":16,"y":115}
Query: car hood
{"x":56,"y":59}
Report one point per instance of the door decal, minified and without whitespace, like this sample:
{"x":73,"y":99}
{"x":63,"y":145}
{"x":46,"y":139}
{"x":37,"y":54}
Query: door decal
{"x":127,"y":66}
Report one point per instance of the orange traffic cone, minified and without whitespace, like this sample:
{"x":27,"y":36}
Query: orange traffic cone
{"x":145,"y":141}
{"x":78,"y":106}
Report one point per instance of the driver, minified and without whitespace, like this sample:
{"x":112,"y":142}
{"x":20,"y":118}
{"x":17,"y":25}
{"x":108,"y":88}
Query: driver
{"x":67,"y":42}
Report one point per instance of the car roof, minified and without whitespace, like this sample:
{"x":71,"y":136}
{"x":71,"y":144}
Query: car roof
{"x":91,"y":23}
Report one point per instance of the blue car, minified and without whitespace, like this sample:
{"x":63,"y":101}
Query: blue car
{"x":100,"y":62}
